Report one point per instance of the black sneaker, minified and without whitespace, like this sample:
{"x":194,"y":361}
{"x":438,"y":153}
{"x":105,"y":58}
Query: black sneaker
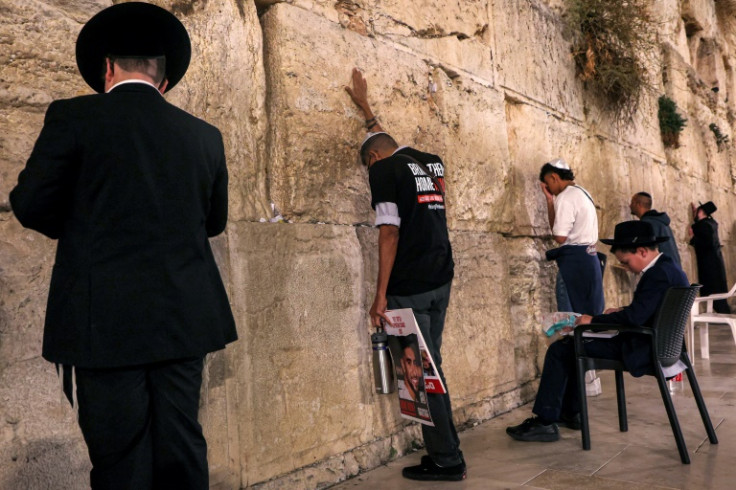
{"x":428,"y":470}
{"x":571,"y":421}
{"x":533,"y":430}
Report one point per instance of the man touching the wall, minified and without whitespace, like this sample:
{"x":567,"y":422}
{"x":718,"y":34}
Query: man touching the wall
{"x":415,"y":265}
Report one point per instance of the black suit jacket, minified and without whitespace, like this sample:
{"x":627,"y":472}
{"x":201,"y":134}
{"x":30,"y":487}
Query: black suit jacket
{"x":132,"y":187}
{"x":642,"y":311}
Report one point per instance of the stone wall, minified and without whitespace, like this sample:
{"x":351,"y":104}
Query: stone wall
{"x":489,"y":85}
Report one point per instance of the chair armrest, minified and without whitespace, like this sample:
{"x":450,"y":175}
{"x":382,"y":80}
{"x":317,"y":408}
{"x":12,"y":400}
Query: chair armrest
{"x":713,"y":297}
{"x":600,"y":327}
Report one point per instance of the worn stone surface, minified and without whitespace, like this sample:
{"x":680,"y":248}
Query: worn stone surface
{"x":307,"y":354}
{"x":489,"y":86}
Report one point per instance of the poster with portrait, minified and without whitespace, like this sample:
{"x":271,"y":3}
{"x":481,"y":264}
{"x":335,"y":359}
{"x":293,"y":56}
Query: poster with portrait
{"x":416,"y":372}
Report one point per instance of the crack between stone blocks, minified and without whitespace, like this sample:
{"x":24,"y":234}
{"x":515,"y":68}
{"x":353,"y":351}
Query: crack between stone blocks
{"x":362,"y":224}
{"x":429,"y":33}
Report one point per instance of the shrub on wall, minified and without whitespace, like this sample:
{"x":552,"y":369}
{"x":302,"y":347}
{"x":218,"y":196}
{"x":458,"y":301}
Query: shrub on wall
{"x":721,"y":139}
{"x":612,"y":44}
{"x":671,"y":122}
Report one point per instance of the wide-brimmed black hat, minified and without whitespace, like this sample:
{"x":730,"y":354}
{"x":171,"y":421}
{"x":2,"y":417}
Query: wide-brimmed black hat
{"x":634,"y":234}
{"x":708,"y":208}
{"x":133,"y":29}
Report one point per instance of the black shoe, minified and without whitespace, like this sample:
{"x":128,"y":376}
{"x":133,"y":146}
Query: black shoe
{"x":571,"y":421}
{"x":533,"y":430}
{"x":428,"y":470}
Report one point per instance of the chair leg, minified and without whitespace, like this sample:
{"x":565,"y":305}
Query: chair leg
{"x":700,"y":402}
{"x":732,"y":324}
{"x":623,"y":423}
{"x":674,"y":423}
{"x":704,"y":343}
{"x":584,"y":426}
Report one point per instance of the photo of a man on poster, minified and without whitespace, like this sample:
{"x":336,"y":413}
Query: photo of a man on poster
{"x":411,"y":367}
{"x":410,"y":380}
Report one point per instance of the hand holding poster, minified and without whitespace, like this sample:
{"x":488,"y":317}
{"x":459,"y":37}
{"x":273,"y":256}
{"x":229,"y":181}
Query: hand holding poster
{"x":416,"y":372}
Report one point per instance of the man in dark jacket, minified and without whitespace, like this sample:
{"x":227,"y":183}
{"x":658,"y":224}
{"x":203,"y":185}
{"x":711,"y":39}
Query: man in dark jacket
{"x":635,"y":246}
{"x":641,"y":207}
{"x":132,"y":187}
{"x":711,"y":268}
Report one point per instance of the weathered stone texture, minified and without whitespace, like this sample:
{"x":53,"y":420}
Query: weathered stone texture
{"x":533,"y":59}
{"x":488,"y":85}
{"x":225,"y":85}
{"x":307,"y":356}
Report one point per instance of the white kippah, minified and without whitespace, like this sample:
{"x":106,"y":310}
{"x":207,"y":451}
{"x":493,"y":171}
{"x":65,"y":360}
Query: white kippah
{"x":369,"y":136}
{"x":559,"y":163}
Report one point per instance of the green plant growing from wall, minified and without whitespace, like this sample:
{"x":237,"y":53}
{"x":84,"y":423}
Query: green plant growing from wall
{"x":613,"y":43}
{"x":721,"y":139}
{"x":671,"y":122}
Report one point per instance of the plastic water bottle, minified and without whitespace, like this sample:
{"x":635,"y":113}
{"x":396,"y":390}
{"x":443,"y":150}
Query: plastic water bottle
{"x":675,"y":384}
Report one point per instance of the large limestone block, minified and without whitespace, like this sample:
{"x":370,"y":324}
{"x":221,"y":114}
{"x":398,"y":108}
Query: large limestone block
{"x":225,"y":85}
{"x":25,"y":270}
{"x":474,"y":147}
{"x":533,"y":58}
{"x":454,"y":34}
{"x":36,"y":66}
{"x":529,"y":148}
{"x":536,"y":136}
{"x":422,"y":19}
{"x":313,"y":170}
{"x":478,"y":333}
{"x":699,"y":16}
{"x":672,"y":26}
{"x":315,"y":176}
{"x":304,"y":379}
{"x":605,"y":174}
{"x":40,"y":443}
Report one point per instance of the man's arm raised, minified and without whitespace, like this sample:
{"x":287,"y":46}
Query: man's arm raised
{"x":359,"y":93}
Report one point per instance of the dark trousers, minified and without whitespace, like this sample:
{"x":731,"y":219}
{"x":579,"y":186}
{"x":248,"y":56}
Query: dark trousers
{"x":558,"y":389}
{"x":140,"y":425}
{"x":442,"y":442}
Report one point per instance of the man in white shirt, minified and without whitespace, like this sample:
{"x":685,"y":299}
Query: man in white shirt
{"x":574,"y":223}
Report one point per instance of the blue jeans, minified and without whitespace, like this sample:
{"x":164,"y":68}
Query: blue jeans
{"x":442,"y":442}
{"x":563,"y":300}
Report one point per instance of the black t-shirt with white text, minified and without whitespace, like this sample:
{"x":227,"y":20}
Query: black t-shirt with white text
{"x":424,"y":256}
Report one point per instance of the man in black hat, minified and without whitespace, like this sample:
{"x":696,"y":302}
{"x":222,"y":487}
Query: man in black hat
{"x":415,"y":266}
{"x":132,"y":187}
{"x":636,"y":248}
{"x":711,"y":268}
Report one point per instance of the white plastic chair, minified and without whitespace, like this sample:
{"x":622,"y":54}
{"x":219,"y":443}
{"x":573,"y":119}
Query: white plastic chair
{"x":707,"y":317}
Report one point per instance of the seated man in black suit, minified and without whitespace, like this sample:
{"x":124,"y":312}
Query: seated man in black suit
{"x":635,"y":247}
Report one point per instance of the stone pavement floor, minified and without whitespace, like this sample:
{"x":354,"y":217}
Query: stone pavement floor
{"x":645,"y":457}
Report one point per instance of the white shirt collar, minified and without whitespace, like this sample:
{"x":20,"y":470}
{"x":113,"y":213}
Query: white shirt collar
{"x":399,"y":149}
{"x":651,"y":264}
{"x":132,"y":80}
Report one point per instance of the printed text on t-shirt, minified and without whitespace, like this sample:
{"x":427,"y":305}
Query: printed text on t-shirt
{"x":425,"y":183}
